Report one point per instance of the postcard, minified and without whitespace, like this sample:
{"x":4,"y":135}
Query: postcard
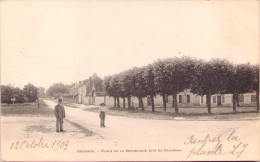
{"x":123,"y":80}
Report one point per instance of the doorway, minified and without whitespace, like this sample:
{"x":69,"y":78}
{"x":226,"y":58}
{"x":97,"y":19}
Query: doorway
{"x":219,"y":100}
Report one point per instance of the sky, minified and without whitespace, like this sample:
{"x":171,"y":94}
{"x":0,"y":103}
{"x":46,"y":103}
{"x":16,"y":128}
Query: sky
{"x":45,"y":42}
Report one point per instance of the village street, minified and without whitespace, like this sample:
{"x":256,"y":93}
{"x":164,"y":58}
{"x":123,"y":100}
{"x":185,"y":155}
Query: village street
{"x":132,"y":133}
{"x":129,"y":138}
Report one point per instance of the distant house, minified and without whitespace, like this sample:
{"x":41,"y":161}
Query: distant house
{"x":247,"y":99}
{"x":73,"y":91}
{"x":188,"y":99}
{"x":82,"y":94}
{"x":90,"y":96}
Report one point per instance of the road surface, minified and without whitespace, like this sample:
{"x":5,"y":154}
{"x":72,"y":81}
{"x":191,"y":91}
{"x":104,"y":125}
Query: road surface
{"x":127,"y":138}
{"x":133,"y":133}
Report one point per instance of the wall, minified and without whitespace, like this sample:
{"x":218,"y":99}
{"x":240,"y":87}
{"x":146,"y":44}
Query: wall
{"x":227,"y":100}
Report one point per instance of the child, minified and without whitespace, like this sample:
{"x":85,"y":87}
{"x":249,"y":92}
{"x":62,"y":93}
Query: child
{"x":102,"y":114}
{"x":133,"y":106}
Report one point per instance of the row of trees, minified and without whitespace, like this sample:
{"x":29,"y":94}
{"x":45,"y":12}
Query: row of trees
{"x":27,"y":94}
{"x":174,"y":75}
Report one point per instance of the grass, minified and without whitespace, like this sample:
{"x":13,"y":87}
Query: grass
{"x":26,"y":109}
{"x":41,"y":120}
{"x":197,"y":113}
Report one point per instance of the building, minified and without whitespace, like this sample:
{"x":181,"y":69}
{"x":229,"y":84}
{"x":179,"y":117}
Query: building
{"x":73,"y":91}
{"x":89,"y":96}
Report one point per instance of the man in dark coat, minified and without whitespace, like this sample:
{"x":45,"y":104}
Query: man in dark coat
{"x":59,"y":112}
{"x":102,"y":114}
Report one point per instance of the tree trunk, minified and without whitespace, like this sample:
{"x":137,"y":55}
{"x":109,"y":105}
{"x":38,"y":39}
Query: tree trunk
{"x":234,"y":102}
{"x":141,"y":103}
{"x":208,"y":96}
{"x":118,"y":103}
{"x":152,"y":99}
{"x":114,"y":101}
{"x":175,"y":103}
{"x":164,"y":103}
{"x":123,"y":102}
{"x":257,"y":100}
{"x":129,"y":102}
{"x":237,"y":100}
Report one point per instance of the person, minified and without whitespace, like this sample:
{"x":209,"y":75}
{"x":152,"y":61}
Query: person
{"x":102,"y":114}
{"x":38,"y":103}
{"x":59,"y":112}
{"x":133,"y":106}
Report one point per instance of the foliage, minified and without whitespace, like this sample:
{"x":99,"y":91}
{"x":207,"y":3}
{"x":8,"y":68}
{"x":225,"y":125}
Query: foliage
{"x":30,"y":92}
{"x":148,"y":77}
{"x":8,"y":92}
{"x":58,"y":89}
{"x":173,"y":75}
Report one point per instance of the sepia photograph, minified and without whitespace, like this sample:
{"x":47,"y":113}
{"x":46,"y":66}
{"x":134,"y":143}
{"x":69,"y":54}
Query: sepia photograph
{"x":129,"y":80}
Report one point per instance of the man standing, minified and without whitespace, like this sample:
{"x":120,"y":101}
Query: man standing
{"x":59,"y":112}
{"x":102,"y":114}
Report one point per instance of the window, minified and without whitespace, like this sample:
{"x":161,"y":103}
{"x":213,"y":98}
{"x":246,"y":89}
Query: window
{"x":241,"y":98}
{"x":214,"y":99}
{"x":253,"y":98}
{"x":188,"y":98}
{"x":201,"y":99}
{"x":180,"y":99}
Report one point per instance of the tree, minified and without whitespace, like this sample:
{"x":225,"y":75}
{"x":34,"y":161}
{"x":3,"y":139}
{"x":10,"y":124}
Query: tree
{"x":239,"y":81}
{"x":127,"y":83}
{"x":161,"y":80}
{"x":140,"y":87}
{"x":109,"y":88}
{"x":19,"y":95}
{"x":6,"y":94}
{"x":58,"y":89}
{"x":149,"y":83}
{"x":97,"y":83}
{"x":30,"y":92}
{"x":210,"y":78}
{"x":122,"y":93}
{"x":117,"y":88}
{"x":256,"y":84}
{"x":180,"y":71}
{"x":113,"y":88}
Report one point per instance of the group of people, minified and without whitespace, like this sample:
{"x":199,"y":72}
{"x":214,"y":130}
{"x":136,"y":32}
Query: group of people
{"x":59,"y":112}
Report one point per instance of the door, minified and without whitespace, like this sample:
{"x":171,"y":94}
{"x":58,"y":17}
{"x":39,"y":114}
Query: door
{"x":219,"y":100}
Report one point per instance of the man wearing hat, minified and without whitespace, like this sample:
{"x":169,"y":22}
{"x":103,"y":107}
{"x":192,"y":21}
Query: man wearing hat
{"x":102,"y":114}
{"x":59,"y":112}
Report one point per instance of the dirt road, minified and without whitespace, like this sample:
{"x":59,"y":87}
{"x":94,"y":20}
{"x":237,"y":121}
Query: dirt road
{"x":142,"y":139}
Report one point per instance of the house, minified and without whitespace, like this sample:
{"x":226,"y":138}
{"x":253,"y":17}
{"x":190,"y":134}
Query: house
{"x":82,"y":94}
{"x":73,"y":91}
{"x":90,"y":96}
{"x":247,"y":99}
{"x":188,"y":99}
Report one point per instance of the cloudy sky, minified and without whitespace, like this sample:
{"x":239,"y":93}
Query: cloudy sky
{"x":45,"y":42}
